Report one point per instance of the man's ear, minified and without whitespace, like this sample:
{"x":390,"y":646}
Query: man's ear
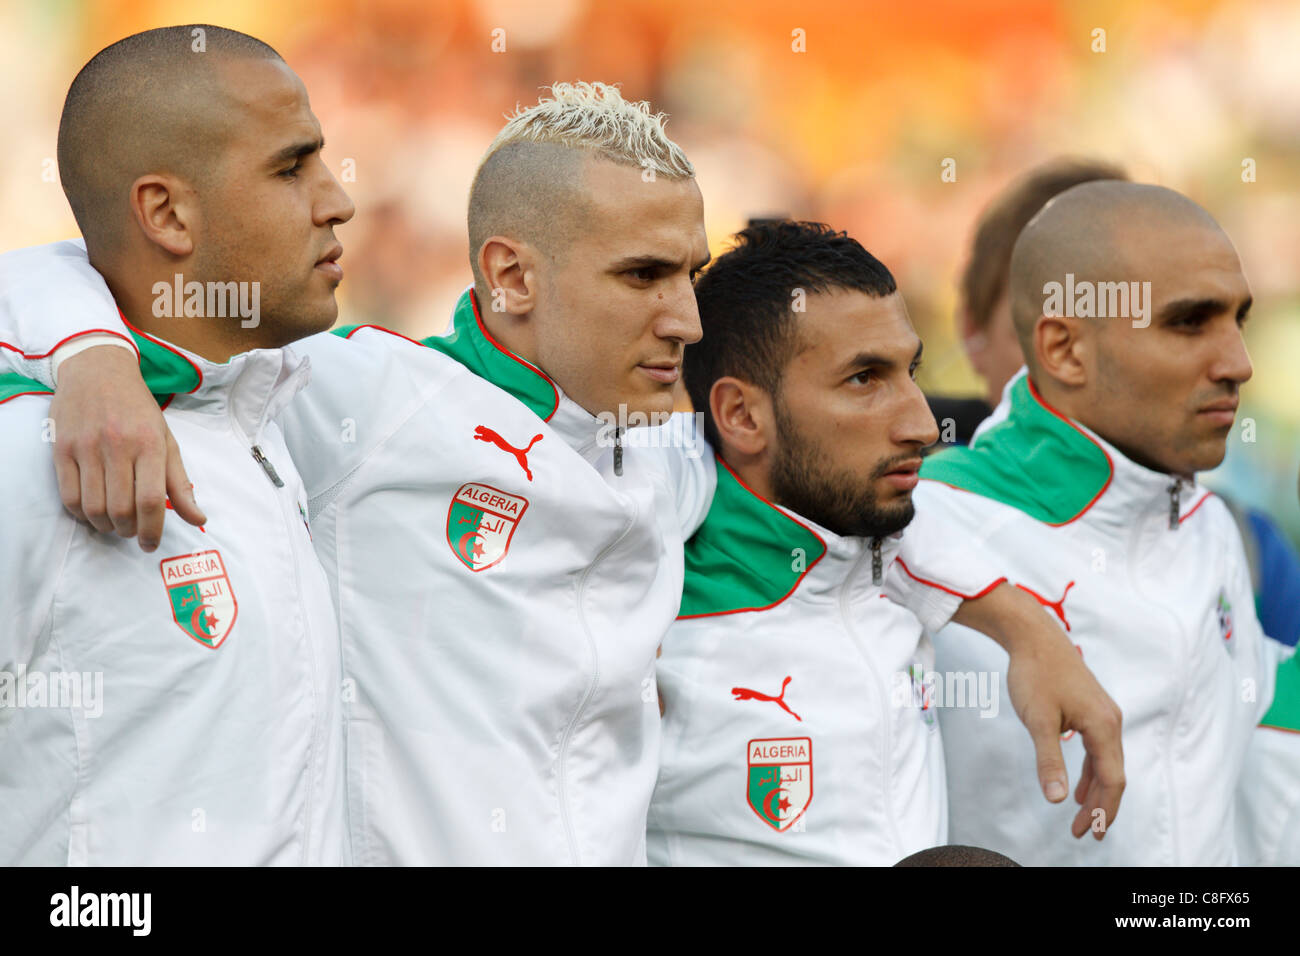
{"x":166,"y":212}
{"x":508,"y":266}
{"x":974,"y":340}
{"x":1062,"y":345}
{"x":744,"y":417}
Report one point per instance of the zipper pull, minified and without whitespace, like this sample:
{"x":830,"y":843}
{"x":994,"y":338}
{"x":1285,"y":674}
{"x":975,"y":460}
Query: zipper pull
{"x":618,"y":452}
{"x":1174,"y":489}
{"x":267,"y":467}
{"x":877,"y":569}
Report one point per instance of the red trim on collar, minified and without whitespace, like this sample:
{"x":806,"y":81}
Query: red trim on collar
{"x":798,"y":581}
{"x":380,"y":328}
{"x":1208,"y":494}
{"x":934,"y":584}
{"x":1033,"y":390}
{"x":473,"y":301}
{"x":197,"y":371}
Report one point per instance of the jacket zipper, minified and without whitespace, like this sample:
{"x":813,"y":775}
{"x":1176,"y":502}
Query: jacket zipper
{"x":591,"y":688}
{"x":886,"y":737}
{"x":1174,"y":490}
{"x":618,"y":452}
{"x":877,"y":565}
{"x":314,"y":746}
{"x":267,"y":467}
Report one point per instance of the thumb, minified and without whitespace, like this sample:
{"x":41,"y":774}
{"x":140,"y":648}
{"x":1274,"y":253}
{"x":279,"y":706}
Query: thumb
{"x":179,"y":488}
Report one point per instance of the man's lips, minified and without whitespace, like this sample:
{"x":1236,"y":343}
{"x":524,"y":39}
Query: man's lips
{"x":1221,"y":413}
{"x":905,"y":476}
{"x":328,"y":263}
{"x":666,"y":372}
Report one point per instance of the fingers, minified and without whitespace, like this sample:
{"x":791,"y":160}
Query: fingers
{"x":69,"y":477}
{"x":1102,"y":740}
{"x":1052,"y":776}
{"x":119,"y":490}
{"x":93,"y":496}
{"x":179,"y":488}
{"x":150,"y":499}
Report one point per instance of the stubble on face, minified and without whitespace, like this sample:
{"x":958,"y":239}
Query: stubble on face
{"x":843,"y":502}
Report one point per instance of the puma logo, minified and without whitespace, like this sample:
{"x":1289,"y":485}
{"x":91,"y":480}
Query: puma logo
{"x":744,"y":693}
{"x":1056,"y":606}
{"x":483,"y":433}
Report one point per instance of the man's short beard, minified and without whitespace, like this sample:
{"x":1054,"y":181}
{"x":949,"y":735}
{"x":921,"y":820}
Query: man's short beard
{"x":842,"y":502}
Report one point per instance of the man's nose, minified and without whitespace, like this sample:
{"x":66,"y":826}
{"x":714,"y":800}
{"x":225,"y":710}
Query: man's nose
{"x":1232,"y":361}
{"x":915,"y":424}
{"x":334,"y":205}
{"x":679,"y":316}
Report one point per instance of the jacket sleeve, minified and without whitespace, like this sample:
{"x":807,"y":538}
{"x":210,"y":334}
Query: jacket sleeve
{"x":942,"y":560}
{"x":35,"y":536}
{"x":692,"y":471}
{"x":1258,"y":655}
{"x":363,"y":389}
{"x":53,"y":303}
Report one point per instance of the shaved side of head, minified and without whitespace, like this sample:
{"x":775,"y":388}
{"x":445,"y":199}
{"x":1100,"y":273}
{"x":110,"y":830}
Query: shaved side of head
{"x":528,"y":191}
{"x":1097,"y":232}
{"x":150,"y":103}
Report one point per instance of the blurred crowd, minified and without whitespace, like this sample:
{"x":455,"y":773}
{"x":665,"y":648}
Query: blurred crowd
{"x":898,"y":123}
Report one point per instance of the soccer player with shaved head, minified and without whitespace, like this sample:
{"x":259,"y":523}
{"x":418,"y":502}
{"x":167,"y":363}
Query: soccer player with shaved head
{"x":179,"y":706}
{"x":1128,"y":301}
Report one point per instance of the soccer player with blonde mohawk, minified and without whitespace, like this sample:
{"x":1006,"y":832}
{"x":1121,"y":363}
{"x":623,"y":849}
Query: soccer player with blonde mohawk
{"x":504,"y":565}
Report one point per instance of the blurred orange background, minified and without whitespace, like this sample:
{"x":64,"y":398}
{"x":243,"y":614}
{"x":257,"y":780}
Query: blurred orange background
{"x":853,"y":130}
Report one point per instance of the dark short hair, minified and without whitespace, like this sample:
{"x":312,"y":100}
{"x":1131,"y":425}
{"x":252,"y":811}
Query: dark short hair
{"x":746,"y":296}
{"x":985,"y":277}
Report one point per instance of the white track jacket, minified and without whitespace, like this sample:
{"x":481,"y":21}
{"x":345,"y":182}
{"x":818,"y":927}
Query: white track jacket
{"x":1148,"y":576}
{"x":800,"y":703}
{"x":180,"y":707}
{"x":501,"y":588}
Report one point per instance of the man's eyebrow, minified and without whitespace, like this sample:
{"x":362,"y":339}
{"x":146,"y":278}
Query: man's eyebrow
{"x":297,"y":150}
{"x":864,"y":360}
{"x":652,"y":262}
{"x":1189,"y":308}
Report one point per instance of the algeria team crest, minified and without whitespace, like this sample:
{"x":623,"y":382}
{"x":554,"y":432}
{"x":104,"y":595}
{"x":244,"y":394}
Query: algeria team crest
{"x":480,"y":523}
{"x":203,"y":605}
{"x":1224,"y":613}
{"x":780,"y":785}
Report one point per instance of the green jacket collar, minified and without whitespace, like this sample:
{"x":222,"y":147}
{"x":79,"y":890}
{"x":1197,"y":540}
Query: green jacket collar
{"x":748,"y":555}
{"x":1035,"y":460}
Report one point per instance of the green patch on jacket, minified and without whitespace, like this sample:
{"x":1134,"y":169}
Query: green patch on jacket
{"x":1035,"y":461}
{"x":1285,"y":712}
{"x":748,"y":555}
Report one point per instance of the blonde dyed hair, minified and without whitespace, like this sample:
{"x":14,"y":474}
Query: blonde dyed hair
{"x":595,"y":117}
{"x":528,"y":184}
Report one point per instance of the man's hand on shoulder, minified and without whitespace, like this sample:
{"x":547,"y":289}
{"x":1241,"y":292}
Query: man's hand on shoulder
{"x":115,"y":458}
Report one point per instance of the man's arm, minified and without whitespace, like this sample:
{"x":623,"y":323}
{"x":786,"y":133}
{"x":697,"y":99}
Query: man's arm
{"x":941,"y":574}
{"x":115,"y":459}
{"x":1053,"y":692}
